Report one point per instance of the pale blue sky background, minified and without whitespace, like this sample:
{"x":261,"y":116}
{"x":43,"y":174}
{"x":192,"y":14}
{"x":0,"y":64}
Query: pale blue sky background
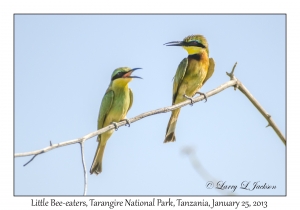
{"x":63,"y":65}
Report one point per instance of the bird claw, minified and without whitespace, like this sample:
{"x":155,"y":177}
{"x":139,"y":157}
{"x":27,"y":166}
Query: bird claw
{"x":203,"y":94}
{"x":192,"y":100}
{"x":115,"y":124}
{"x":127,"y":122}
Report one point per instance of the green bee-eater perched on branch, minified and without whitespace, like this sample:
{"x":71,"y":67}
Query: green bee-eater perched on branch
{"x":190,"y":76}
{"x":114,"y":107}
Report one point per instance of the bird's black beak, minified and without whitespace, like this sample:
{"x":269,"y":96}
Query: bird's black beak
{"x":175,"y":43}
{"x":186,"y":44}
{"x":128,"y":74}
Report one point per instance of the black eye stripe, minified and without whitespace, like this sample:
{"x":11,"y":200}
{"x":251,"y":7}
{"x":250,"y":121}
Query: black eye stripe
{"x":195,"y":43}
{"x":118,"y":75}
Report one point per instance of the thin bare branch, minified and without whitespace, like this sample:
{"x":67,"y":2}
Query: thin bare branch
{"x":233,"y":82}
{"x":251,"y":98}
{"x":132,"y":120}
{"x":271,"y":122}
{"x":84,"y":167}
{"x":30,"y":160}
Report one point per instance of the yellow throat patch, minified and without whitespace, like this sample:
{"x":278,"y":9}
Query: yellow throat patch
{"x":193,"y":50}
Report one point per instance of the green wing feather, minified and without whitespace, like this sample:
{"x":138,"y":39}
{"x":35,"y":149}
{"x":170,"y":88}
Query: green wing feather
{"x":131,"y":99}
{"x":179,"y":77}
{"x":211,"y":69}
{"x":106,"y":104}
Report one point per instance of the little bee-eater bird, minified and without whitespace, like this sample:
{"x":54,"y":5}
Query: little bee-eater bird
{"x":190,"y":76}
{"x":115,"y":104}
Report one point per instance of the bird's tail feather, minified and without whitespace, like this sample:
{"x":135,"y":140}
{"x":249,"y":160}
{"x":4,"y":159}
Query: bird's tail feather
{"x":97,"y":163}
{"x":170,"y":134}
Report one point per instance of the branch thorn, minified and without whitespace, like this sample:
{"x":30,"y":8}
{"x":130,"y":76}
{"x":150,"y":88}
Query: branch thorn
{"x":231,"y":74}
